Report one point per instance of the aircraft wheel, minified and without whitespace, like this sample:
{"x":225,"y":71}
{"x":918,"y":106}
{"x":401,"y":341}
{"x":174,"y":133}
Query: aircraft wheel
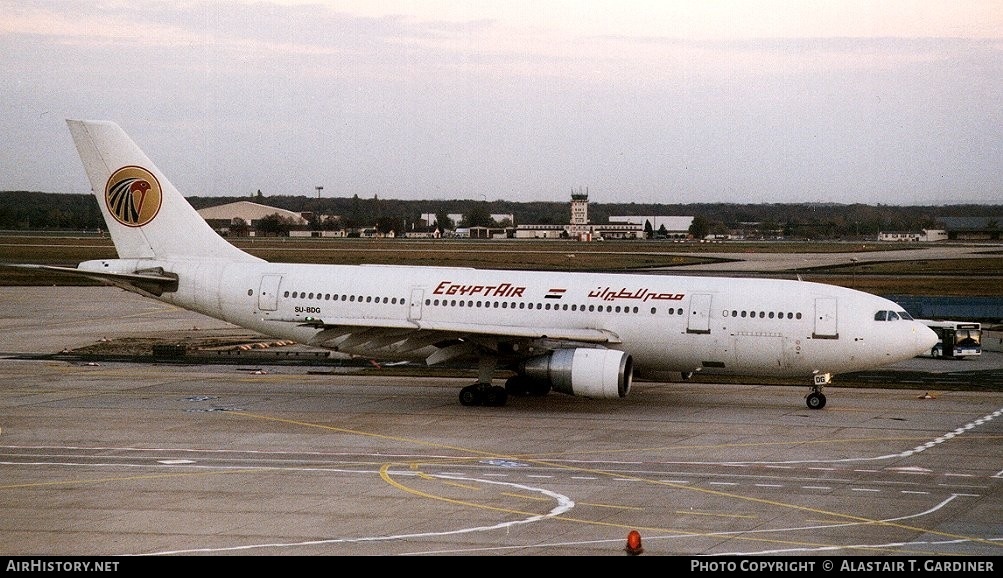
{"x":470,"y":395}
{"x":517,"y":386}
{"x":496,"y":396}
{"x":815,"y":400}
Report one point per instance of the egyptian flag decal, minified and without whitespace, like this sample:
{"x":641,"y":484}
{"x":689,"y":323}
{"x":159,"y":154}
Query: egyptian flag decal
{"x":555,"y":294}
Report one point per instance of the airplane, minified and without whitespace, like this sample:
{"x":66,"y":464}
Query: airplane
{"x":579,"y":333}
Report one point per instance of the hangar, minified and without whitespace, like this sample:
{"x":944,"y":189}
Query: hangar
{"x":223,"y":218}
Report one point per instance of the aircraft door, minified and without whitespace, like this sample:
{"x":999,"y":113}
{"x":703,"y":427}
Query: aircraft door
{"x":414,"y":307}
{"x":825,"y":319}
{"x":699,"y":317}
{"x":268,"y":293}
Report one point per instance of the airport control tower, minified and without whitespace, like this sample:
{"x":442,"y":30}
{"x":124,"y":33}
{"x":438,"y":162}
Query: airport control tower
{"x":579,"y":213}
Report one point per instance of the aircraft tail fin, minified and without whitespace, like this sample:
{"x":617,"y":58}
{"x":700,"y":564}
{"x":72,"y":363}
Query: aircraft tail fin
{"x":146,"y":216}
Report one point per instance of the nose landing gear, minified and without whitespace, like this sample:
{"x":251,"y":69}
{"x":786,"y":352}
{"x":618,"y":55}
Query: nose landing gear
{"x":816,"y":399}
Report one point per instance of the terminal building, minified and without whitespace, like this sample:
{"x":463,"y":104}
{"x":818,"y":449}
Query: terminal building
{"x":925,"y":235}
{"x":660,"y":226}
{"x":245,"y":217}
{"x":619,"y":227}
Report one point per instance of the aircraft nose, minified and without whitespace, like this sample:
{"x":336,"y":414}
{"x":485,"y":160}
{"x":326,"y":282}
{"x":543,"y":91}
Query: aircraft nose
{"x":924,"y":337}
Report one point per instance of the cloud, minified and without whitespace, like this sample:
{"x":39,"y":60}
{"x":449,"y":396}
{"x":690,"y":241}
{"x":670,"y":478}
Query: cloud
{"x":231,"y":97}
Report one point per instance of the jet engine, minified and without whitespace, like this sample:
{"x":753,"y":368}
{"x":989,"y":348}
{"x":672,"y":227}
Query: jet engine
{"x":595,"y":373}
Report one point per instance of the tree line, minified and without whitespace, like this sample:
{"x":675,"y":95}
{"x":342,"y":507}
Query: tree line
{"x":30,"y":211}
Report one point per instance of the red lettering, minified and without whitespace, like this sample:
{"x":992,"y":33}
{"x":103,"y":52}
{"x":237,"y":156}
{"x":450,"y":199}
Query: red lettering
{"x":503,"y":290}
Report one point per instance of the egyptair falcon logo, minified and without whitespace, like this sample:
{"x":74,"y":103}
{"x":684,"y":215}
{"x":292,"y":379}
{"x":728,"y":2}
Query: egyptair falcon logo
{"x":133,"y":196}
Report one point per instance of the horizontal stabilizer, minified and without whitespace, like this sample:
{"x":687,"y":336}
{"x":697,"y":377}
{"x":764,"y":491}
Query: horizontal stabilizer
{"x":153,"y":282}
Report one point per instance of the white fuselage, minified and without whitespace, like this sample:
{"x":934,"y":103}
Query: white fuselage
{"x":667,"y":323}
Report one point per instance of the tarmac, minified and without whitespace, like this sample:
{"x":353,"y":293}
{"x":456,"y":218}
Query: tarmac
{"x":108,"y":459}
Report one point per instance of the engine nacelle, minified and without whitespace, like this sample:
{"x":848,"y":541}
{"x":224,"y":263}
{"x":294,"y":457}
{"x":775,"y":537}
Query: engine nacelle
{"x":596,"y":373}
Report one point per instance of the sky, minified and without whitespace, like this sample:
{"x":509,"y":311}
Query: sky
{"x":893,"y":102}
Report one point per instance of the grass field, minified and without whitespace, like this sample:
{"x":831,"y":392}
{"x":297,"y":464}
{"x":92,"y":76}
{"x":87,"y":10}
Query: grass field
{"x":919,"y":277}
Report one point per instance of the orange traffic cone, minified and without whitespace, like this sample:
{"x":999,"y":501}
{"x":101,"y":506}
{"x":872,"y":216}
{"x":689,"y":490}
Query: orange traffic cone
{"x":634,"y":543}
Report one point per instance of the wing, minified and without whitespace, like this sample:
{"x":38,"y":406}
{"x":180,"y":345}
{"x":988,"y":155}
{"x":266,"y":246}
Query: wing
{"x":440,"y":342}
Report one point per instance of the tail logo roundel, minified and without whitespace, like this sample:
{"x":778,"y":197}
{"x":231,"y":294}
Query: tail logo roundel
{"x":133,"y":196}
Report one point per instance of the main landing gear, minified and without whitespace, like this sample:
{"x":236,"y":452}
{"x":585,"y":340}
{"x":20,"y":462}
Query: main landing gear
{"x":483,"y":394}
{"x":816,"y":399}
{"x":493,"y":395}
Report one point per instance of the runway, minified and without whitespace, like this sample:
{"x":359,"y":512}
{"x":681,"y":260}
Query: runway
{"x":146,"y":459}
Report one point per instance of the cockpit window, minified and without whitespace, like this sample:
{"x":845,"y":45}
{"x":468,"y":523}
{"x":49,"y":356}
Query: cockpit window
{"x":892,"y":316}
